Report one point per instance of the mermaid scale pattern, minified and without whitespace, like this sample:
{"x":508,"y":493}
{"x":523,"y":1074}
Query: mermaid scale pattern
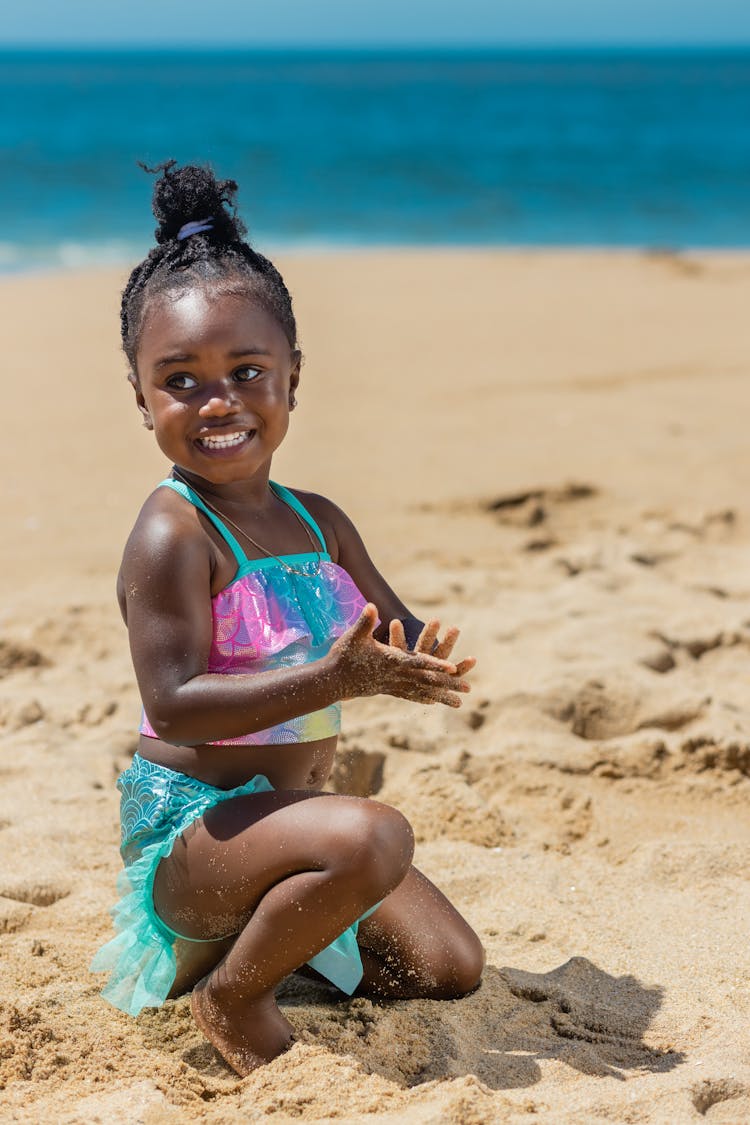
{"x":264,"y":612}
{"x":157,"y":805}
{"x":273,"y":618}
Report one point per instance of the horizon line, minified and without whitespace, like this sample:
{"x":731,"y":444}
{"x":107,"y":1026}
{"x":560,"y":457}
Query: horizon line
{"x":369,"y":48}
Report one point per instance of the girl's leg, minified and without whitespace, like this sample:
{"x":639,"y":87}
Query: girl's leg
{"x":194,"y":960}
{"x":287,"y":873}
{"x":417,"y":945}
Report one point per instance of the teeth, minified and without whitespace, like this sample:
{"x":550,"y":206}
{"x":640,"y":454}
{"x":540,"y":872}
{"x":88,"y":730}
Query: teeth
{"x":224,"y":441}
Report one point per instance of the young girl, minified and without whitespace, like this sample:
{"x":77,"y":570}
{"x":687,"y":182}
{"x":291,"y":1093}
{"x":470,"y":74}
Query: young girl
{"x":252,"y":611}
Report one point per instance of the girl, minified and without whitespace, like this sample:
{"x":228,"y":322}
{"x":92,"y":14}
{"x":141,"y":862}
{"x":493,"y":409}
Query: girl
{"x":252,"y":611}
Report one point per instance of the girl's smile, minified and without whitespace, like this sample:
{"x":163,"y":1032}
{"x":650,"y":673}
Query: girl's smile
{"x":219,"y":442}
{"x":215,"y":381}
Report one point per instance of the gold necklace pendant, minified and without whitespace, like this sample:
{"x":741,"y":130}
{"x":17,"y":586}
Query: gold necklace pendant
{"x":270,"y":554}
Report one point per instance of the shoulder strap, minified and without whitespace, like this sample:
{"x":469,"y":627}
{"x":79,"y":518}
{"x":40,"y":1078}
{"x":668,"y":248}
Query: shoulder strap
{"x":297,"y":505}
{"x":193,"y":498}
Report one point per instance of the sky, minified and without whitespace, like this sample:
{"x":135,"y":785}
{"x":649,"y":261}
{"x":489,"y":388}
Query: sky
{"x":371,"y":23}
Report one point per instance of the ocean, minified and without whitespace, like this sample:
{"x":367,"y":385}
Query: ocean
{"x":645,"y":149}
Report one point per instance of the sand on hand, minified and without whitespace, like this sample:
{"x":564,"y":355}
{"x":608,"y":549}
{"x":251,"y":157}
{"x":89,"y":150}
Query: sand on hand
{"x":547,"y":449}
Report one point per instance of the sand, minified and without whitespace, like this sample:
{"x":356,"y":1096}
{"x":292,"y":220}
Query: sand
{"x":548,"y":449}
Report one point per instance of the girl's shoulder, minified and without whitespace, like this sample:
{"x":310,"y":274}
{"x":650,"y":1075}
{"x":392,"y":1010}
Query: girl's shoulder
{"x":331,"y":520}
{"x":165,"y":524}
{"x":165,"y":513}
{"x":167,"y":546}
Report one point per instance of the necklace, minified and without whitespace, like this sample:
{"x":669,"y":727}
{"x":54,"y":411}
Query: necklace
{"x":270,"y":554}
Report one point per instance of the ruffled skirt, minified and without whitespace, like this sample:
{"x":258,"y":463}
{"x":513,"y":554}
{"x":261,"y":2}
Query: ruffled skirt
{"x":157,"y":805}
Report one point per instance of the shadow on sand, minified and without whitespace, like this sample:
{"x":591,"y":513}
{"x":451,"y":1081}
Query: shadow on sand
{"x":577,"y":1014}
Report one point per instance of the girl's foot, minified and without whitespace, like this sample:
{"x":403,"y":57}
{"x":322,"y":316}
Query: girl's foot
{"x":247,"y":1038}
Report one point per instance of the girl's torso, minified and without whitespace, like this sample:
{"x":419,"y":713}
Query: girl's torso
{"x":302,"y":765}
{"x":273,"y":612}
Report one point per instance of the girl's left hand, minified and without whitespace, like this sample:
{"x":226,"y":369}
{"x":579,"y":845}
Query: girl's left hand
{"x":428,"y":643}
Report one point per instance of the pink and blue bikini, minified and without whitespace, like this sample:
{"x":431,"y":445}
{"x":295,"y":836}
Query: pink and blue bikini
{"x":277,"y":612}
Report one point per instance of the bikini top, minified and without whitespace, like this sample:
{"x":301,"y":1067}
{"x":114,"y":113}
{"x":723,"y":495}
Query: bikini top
{"x":270,"y":616}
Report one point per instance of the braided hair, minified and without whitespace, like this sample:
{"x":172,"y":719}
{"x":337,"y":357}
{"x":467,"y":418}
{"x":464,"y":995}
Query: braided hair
{"x":217,"y":253}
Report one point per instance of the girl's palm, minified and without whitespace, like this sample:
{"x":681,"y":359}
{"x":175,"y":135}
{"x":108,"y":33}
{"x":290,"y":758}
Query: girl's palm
{"x":368,"y":667}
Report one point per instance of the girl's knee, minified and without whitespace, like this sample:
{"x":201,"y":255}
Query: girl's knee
{"x":468,"y":966}
{"x":376,"y":843}
{"x":456,"y":970}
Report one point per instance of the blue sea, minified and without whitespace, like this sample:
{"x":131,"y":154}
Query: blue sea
{"x":641,"y":149}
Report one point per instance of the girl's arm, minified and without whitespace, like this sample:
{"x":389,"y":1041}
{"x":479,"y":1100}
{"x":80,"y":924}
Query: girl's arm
{"x":166,"y":582}
{"x":351,"y":554}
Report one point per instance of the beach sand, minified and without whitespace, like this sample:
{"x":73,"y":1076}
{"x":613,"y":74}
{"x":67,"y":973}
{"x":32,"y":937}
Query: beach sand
{"x":549,"y":449}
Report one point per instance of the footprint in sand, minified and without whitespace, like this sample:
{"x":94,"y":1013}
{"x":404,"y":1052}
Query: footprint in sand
{"x":33,"y":892}
{"x":533,"y":506}
{"x":717,"y":1092}
{"x":15,"y":658}
{"x":599,"y":710}
{"x":697,"y":646}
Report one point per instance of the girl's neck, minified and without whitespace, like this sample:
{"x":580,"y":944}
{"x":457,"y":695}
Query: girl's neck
{"x":253,"y":491}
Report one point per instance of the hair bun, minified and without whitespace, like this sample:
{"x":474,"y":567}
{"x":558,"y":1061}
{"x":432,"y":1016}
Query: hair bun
{"x":191,"y":193}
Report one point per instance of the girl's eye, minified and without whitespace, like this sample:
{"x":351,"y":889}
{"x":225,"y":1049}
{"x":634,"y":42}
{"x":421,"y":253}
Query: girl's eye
{"x":246,"y":374}
{"x":182,"y":381}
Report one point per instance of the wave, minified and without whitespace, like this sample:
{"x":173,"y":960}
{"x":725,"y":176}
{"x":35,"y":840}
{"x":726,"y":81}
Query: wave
{"x":19,"y":257}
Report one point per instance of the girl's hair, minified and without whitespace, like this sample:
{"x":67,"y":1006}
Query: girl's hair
{"x":219,"y":255}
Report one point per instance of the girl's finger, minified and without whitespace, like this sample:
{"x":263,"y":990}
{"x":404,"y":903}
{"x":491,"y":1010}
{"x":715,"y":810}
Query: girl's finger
{"x":365,"y":623}
{"x":421,"y":660}
{"x":446,"y":646}
{"x":465,"y":665}
{"x":429,"y":694}
{"x":418,"y":697}
{"x":449,"y":698}
{"x":428,"y":636}
{"x":440,"y":679}
{"x":396,"y":635}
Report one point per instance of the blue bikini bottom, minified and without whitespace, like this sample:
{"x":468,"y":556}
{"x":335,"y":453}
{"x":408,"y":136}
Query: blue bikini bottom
{"x":157,"y":805}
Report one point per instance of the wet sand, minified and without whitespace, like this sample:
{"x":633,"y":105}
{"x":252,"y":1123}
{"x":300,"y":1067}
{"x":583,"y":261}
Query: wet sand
{"x":547,"y":449}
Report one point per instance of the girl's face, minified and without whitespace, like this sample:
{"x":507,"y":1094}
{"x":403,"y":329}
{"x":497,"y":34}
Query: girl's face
{"x":215,"y":381}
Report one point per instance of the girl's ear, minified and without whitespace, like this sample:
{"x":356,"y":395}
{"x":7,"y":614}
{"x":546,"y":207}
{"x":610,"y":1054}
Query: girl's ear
{"x":140,"y":400}
{"x":294,"y":379}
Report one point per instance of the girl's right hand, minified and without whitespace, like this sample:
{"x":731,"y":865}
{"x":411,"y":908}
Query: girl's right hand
{"x":364,"y":666}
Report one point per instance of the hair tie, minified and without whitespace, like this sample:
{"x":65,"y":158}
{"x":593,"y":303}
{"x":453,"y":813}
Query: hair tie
{"x":196,"y":226}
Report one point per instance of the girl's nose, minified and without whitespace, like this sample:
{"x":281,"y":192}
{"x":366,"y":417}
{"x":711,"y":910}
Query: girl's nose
{"x":222,"y":401}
